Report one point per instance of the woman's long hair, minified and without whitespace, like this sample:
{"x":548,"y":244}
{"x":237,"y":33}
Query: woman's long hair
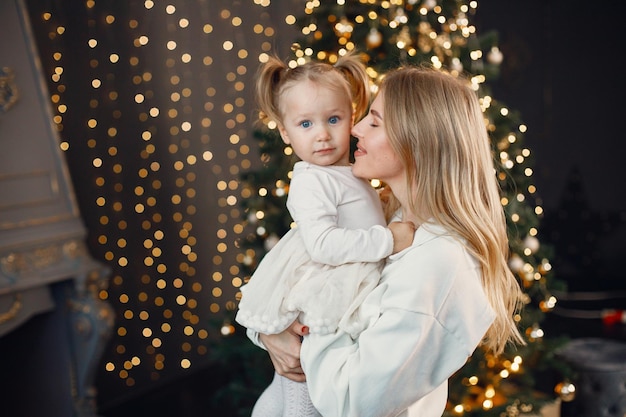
{"x":434,"y":122}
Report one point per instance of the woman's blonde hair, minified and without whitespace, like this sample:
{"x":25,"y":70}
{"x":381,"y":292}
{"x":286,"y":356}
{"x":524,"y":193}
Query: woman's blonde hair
{"x":347,"y":76}
{"x":434,"y":122}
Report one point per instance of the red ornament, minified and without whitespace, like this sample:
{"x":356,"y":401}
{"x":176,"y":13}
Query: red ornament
{"x":611,"y":317}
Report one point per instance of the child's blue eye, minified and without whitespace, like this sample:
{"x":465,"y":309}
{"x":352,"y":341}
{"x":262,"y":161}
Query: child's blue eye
{"x":305,"y":124}
{"x":333,"y":120}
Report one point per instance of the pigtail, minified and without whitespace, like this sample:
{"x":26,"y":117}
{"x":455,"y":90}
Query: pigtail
{"x":354,"y":71}
{"x":269,"y":79}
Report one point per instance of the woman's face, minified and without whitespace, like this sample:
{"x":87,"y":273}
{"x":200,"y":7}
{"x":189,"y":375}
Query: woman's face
{"x":374,"y":158}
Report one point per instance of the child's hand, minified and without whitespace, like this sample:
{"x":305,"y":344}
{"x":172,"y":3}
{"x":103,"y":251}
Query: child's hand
{"x":403,"y":233}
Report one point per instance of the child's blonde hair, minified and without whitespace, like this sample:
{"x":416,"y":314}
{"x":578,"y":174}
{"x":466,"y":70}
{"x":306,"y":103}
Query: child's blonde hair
{"x":348,"y":76}
{"x":435,"y":124}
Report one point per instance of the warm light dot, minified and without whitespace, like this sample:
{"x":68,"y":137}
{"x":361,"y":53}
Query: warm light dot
{"x":227,"y":329}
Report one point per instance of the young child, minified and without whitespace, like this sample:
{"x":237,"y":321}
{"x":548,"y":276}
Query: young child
{"x":319,"y":271}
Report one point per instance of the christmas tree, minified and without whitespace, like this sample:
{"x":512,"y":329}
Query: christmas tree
{"x":438,"y":32}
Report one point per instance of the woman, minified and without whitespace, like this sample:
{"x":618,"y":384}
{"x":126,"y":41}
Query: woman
{"x":446,"y":294}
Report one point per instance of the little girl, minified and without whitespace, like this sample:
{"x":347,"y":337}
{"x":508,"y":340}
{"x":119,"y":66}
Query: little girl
{"x":319,"y":271}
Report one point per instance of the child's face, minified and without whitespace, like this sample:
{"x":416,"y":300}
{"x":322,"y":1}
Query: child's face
{"x":317,"y":123}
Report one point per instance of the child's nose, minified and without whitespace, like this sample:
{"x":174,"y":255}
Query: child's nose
{"x":323,"y":134}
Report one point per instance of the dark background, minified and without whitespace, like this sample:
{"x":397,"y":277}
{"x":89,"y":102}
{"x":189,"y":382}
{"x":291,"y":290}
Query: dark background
{"x":561,"y":72}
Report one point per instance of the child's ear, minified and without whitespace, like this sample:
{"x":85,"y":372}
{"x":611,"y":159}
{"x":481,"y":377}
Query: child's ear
{"x":283,"y":134}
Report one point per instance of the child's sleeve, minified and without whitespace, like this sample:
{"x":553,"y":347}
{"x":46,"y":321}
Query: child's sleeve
{"x":312,"y":203}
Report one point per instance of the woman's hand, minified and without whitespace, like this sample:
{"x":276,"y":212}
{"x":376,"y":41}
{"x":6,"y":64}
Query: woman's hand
{"x":284,"y":350}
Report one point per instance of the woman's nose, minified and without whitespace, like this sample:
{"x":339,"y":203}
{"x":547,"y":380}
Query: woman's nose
{"x":356,"y":130}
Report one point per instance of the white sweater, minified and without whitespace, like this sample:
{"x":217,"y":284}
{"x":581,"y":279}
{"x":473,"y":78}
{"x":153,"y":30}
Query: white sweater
{"x":425,"y":319}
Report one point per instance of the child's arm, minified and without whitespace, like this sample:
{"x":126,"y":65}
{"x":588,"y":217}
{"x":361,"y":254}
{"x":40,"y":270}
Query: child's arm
{"x":339,"y":224}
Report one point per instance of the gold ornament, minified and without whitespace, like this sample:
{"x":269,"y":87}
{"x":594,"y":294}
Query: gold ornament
{"x":566,"y":391}
{"x":494,"y":55}
{"x":374,"y":38}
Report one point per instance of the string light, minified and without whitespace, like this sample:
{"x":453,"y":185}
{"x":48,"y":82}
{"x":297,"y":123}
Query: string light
{"x":161,"y":120}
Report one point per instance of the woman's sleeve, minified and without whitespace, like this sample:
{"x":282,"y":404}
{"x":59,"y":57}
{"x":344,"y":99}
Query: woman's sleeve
{"x":389,"y":367}
{"x":312,"y":203}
